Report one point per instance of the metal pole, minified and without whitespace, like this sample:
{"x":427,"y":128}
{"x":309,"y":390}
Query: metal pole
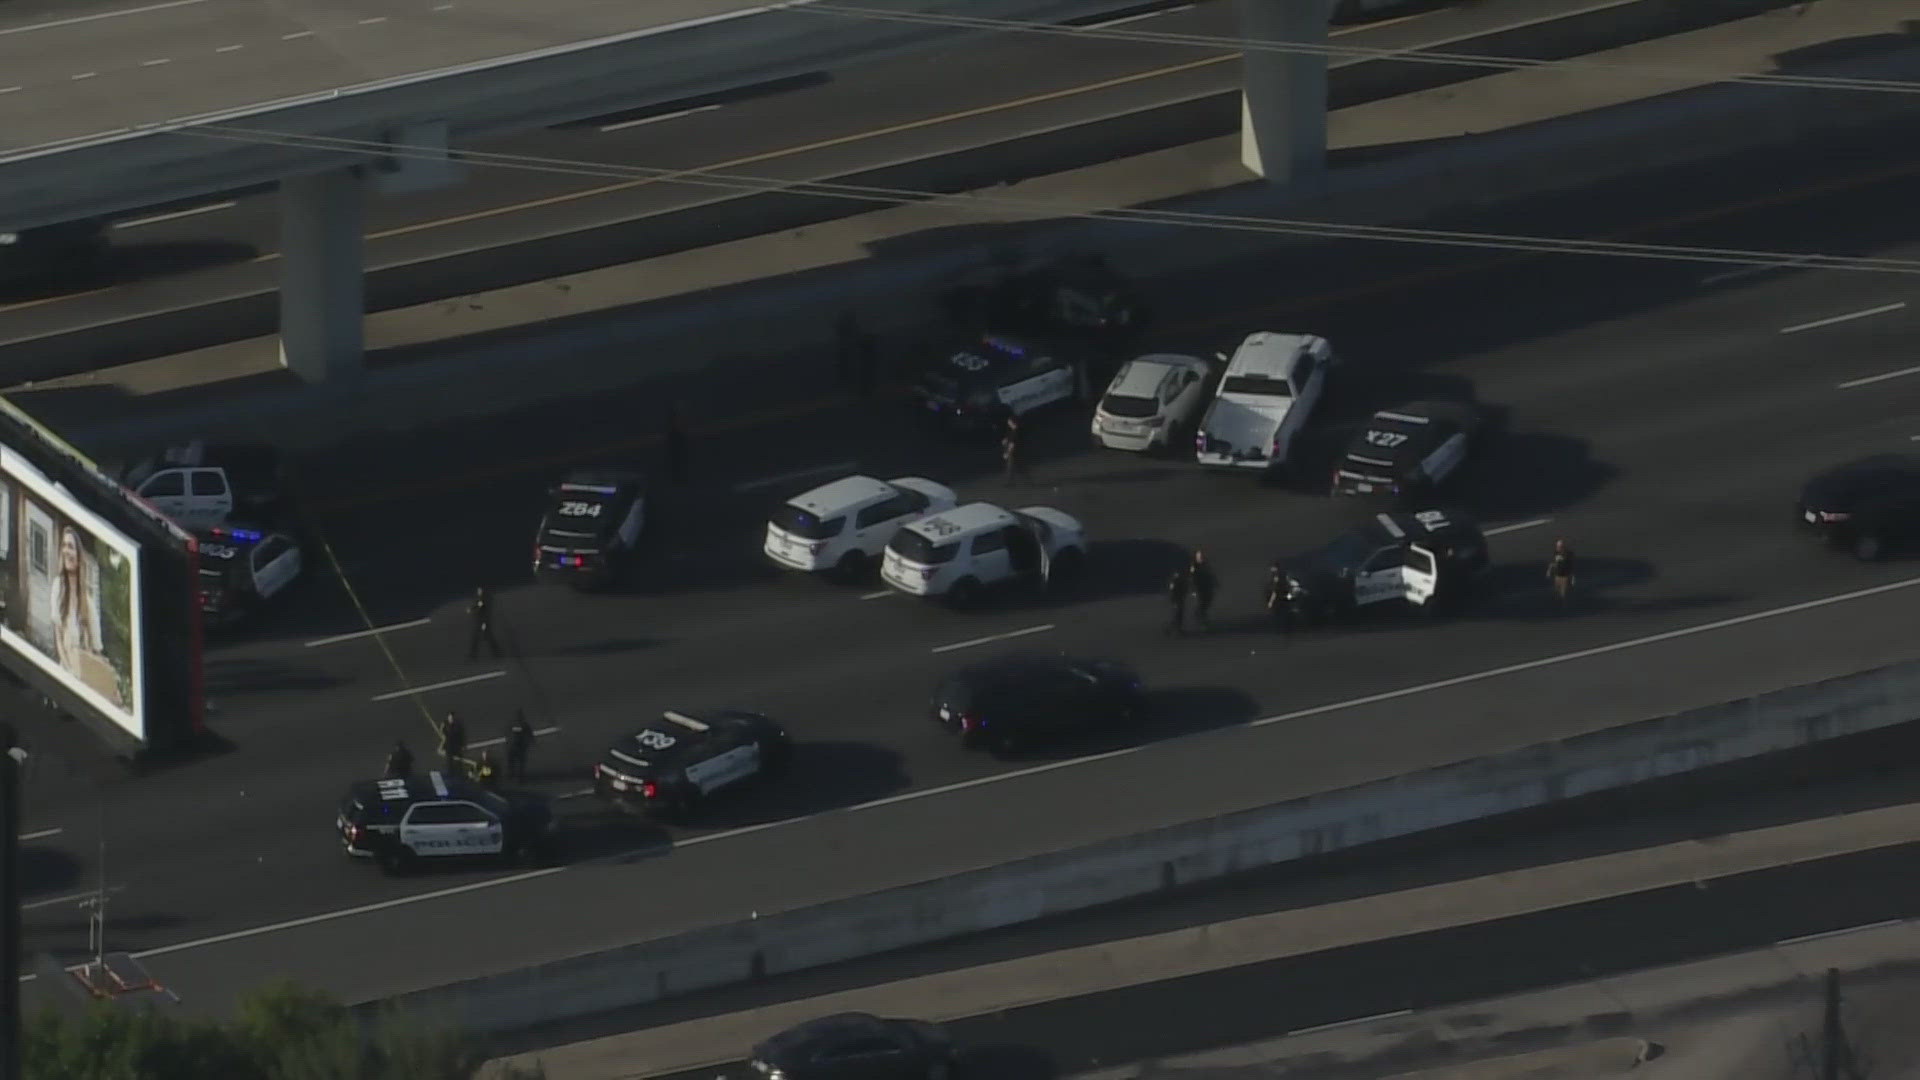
{"x":1832,"y":1039}
{"x":10,"y":1050}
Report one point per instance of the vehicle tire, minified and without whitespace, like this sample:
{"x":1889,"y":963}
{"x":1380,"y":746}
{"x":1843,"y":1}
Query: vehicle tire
{"x":395,"y":861}
{"x":964,"y":594}
{"x":1067,"y":569}
{"x":852,"y":566}
{"x":1868,"y":547}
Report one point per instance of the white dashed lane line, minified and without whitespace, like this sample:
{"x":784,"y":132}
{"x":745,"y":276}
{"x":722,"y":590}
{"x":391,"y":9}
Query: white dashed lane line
{"x":358,"y":634}
{"x":1833,"y":320}
{"x":43,"y":834}
{"x":412,"y":690}
{"x":797,"y":474}
{"x":1041,"y":629}
{"x":1518,"y":525}
{"x":172,"y":215}
{"x":645,"y":120}
{"x":879,"y":594}
{"x":1882,"y":377}
{"x":537,"y":732}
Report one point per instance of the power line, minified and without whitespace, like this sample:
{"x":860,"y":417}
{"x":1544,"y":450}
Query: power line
{"x":1355,"y":52}
{"x":975,"y":202}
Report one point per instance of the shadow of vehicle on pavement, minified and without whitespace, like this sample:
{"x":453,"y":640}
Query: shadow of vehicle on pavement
{"x":1171,"y":713}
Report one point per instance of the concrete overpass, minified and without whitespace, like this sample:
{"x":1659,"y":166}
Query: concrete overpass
{"x":113,"y":110}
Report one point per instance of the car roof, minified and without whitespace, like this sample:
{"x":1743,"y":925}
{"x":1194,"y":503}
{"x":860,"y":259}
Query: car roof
{"x":432,"y":787}
{"x":838,"y":1024}
{"x":1451,"y":525}
{"x":842,"y":494}
{"x":1265,"y":354}
{"x":601,"y":478}
{"x":972,"y":517}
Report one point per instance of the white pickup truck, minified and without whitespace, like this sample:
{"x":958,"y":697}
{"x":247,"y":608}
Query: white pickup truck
{"x":1272,"y":385}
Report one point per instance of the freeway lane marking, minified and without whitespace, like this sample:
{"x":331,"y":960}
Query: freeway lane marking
{"x":76,"y":898}
{"x":1138,"y":16}
{"x":958,"y":645}
{"x":645,"y":120}
{"x":41,"y":835}
{"x":1882,"y":377}
{"x":529,"y":875}
{"x":1355,"y":1022}
{"x":1843,"y":932}
{"x":158,"y":218}
{"x":358,"y":634}
{"x":1848,"y":317}
{"x":797,"y":474}
{"x":484,"y":743}
{"x":412,"y":690}
{"x":883,"y":593}
{"x":1517,"y":526}
{"x":57,"y":23}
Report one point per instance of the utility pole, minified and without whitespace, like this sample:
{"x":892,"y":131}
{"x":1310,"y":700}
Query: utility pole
{"x":11,"y":758}
{"x":1836,"y":1057}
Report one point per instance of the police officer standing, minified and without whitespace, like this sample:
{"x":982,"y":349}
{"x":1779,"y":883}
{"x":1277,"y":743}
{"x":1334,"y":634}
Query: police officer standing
{"x":1204,"y":586}
{"x":480,"y":612}
{"x":1177,"y":588}
{"x":1277,"y":598}
{"x":1012,"y":454}
{"x":519,"y":744}
{"x":400,"y":761}
{"x":1560,"y":570}
{"x":453,"y":741}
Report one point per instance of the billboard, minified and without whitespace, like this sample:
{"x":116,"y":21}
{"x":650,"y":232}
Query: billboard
{"x":70,"y":594}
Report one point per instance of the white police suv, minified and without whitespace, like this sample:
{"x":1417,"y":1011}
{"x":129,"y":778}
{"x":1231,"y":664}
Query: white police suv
{"x":845,"y":525}
{"x":959,"y":554}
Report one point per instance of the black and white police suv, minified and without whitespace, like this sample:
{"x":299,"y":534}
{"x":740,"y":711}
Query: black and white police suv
{"x":1425,"y":559}
{"x":674,"y":764}
{"x":398,"y":822}
{"x":845,"y":525}
{"x":980,"y":382}
{"x":1408,"y":450}
{"x":961,"y":553}
{"x":242,"y":568}
{"x":593,"y":520}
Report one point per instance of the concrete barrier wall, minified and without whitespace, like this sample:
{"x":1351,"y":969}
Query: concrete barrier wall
{"x":1071,"y":880}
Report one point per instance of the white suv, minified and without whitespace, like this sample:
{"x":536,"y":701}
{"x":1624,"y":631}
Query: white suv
{"x":845,"y":525}
{"x":966,"y":550}
{"x":1151,"y":403}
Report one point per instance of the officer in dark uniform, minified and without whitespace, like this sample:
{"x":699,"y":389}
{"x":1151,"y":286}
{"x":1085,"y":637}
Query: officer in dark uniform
{"x":1178,"y":586}
{"x":1012,"y":454}
{"x":1560,"y":570}
{"x":453,"y":741}
{"x":480,"y":611}
{"x":1204,"y":586}
{"x":519,"y":745}
{"x":1277,"y":598}
{"x":400,"y":761}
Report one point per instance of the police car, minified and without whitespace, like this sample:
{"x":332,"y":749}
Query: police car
{"x":242,"y":568}
{"x":398,"y":822}
{"x":1077,"y":295}
{"x":1424,"y":559}
{"x":1408,"y":450}
{"x":959,"y":554}
{"x":985,"y":379}
{"x":1151,"y":403}
{"x":594,"y":518}
{"x":844,"y":526}
{"x":673,"y":764}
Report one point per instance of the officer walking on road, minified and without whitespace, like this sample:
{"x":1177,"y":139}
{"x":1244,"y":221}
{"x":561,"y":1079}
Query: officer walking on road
{"x":1177,"y":588}
{"x":1204,"y":586}
{"x":1012,"y":454}
{"x":400,"y":761}
{"x":453,"y":742}
{"x":480,"y":612}
{"x":1560,"y":570}
{"x":1277,"y":598}
{"x":519,"y":744}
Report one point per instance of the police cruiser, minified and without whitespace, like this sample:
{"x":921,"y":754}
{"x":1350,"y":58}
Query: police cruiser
{"x":1424,"y":559}
{"x":674,"y":764}
{"x":1075,"y":295}
{"x":1151,"y":403}
{"x":1272,"y":385}
{"x":594,"y":518}
{"x":844,"y":526}
{"x":995,"y":375}
{"x":959,"y":554}
{"x":1408,"y":450}
{"x":398,"y":822}
{"x":242,"y":568}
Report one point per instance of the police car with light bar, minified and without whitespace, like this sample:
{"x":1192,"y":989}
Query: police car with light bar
{"x":242,"y":568}
{"x":959,"y":554}
{"x":397,"y":822}
{"x":673,"y":765}
{"x":844,"y":526}
{"x":594,"y":518}
{"x":1409,"y":450}
{"x":1426,"y":560}
{"x":982,"y":381}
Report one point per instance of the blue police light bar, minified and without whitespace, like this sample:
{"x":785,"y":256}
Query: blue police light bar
{"x":602,"y":489}
{"x":1004,"y":345}
{"x":245,"y":536}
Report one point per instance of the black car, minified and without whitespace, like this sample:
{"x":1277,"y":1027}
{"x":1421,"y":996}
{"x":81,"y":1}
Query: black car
{"x":1425,"y":559}
{"x":1078,"y":296}
{"x":1869,"y":507}
{"x":980,"y":381}
{"x":856,"y":1046}
{"x":1407,"y":451}
{"x":1022,"y":699}
{"x":48,"y":255}
{"x":674,"y":764}
{"x":593,"y":520}
{"x":397,"y":822}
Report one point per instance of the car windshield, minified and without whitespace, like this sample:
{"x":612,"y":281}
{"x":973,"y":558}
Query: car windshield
{"x":1121,"y":405}
{"x":794,"y":521}
{"x":915,"y":547}
{"x":1256,"y":387}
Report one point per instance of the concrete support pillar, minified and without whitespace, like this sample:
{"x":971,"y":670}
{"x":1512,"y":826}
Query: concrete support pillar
{"x":1283,"y":100}
{"x":322,"y":277}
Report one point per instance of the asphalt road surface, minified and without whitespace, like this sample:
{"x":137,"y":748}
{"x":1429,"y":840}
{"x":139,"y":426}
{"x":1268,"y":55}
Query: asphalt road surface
{"x":1660,"y":420}
{"x":198,"y":274}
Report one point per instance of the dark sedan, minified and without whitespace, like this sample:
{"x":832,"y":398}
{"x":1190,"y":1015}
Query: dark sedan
{"x":856,"y":1046}
{"x":1011,"y":702}
{"x":1869,"y":507}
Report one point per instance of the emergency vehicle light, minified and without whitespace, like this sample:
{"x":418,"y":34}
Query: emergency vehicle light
{"x":601,"y":489}
{"x":1003,"y":345}
{"x":245,"y":536}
